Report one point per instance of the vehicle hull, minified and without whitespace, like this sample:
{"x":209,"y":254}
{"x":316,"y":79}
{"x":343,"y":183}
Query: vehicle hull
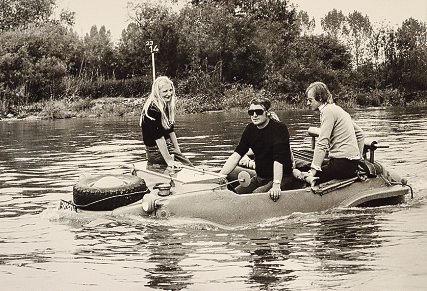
{"x":205,"y":200}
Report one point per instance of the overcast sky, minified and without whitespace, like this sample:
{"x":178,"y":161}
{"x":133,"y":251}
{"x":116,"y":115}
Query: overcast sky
{"x":114,"y":14}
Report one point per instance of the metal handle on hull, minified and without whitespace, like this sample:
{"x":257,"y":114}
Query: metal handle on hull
{"x":149,"y":203}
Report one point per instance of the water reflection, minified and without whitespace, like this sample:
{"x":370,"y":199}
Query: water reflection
{"x":330,"y":245}
{"x":165,"y":271}
{"x":347,"y":242}
{"x":268,"y":261}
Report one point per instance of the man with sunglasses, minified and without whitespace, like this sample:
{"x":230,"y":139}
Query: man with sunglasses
{"x":268,"y":138}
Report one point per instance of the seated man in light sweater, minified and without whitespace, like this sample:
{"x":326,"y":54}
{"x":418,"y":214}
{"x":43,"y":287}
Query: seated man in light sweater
{"x":339,"y":136}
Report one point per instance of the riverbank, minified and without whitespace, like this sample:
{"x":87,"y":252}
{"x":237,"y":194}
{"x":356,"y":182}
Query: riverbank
{"x":233,"y":100}
{"x":79,"y":107}
{"x":128,"y":106}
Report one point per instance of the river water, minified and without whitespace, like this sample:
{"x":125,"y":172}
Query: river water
{"x":42,"y":248}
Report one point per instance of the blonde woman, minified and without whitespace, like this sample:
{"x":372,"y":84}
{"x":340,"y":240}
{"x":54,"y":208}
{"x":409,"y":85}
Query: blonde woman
{"x":157,"y":123}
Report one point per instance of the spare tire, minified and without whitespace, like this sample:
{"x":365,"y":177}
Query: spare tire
{"x":108,"y":192}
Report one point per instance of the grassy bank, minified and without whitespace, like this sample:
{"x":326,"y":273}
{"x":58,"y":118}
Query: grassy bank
{"x":77,"y":107}
{"x":233,"y":98}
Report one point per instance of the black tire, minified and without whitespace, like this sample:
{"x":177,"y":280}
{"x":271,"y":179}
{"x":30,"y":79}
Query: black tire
{"x":87,"y":197}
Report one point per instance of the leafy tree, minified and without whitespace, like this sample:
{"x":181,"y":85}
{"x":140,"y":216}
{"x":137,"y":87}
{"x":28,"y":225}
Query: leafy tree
{"x":21,"y":13}
{"x":305,"y":24}
{"x":215,"y":47}
{"x":279,"y":14}
{"x":334,"y":24}
{"x":99,"y":53}
{"x":377,"y":44}
{"x":313,"y":58}
{"x":247,"y":39}
{"x":34,"y":61}
{"x":411,"y":46}
{"x":132,"y":54}
{"x":14,"y":65}
{"x":360,"y":30}
{"x":66,"y":18}
{"x":276,"y":28}
{"x":248,"y":59}
{"x":205,"y":39}
{"x":150,"y":23}
{"x":208,"y":39}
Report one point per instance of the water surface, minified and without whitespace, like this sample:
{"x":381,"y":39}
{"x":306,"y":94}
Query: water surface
{"x":42,"y":248}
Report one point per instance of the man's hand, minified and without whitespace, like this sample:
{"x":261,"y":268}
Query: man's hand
{"x":275,"y":192}
{"x":247,"y":162}
{"x":310,"y":178}
{"x":298,"y":174}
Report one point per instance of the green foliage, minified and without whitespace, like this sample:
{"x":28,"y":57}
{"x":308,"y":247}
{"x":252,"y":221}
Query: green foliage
{"x":55,"y":110}
{"x":150,"y":23}
{"x":379,"y":98}
{"x":312,"y":58}
{"x":239,"y":96}
{"x":237,"y":47}
{"x":219,"y":53}
{"x":355,"y":30}
{"x":80,"y":105}
{"x":132,"y":54}
{"x":135,"y":87}
{"x":99,"y":58}
{"x":411,"y":48}
{"x":34,"y":61}
{"x":304,"y":23}
{"x":334,"y":24}
{"x":21,"y":13}
{"x":360,"y":31}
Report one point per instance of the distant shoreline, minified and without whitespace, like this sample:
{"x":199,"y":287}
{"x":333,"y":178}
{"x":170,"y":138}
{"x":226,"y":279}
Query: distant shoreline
{"x":122,"y":107}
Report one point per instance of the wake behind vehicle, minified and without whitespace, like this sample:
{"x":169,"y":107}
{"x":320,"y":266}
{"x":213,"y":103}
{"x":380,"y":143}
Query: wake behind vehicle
{"x":194,"y":193}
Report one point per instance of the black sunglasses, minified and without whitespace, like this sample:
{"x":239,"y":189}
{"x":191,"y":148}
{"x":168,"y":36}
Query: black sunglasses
{"x":257,"y":111}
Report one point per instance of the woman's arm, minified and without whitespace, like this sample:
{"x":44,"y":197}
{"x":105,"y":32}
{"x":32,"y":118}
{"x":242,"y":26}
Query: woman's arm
{"x":174,"y":141}
{"x":163,"y":148}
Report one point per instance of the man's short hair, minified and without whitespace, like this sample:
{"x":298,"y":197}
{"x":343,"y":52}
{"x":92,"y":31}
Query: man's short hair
{"x":264,"y":102}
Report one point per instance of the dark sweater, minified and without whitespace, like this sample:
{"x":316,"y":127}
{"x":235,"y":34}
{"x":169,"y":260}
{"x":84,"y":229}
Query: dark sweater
{"x":152,"y":129}
{"x":269,"y":144}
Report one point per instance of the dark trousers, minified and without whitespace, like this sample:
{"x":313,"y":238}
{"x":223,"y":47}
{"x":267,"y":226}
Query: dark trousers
{"x":338,"y":168}
{"x":260,"y":185}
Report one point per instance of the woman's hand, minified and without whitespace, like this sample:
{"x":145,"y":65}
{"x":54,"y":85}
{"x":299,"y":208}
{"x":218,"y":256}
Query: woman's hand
{"x":175,"y":165}
{"x":223,"y":181}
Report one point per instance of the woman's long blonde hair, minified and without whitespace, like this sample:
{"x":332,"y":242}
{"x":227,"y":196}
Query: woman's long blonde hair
{"x":154,"y":99}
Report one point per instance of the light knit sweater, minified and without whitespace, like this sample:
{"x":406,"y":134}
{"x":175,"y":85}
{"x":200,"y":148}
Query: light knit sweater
{"x":338,"y":134}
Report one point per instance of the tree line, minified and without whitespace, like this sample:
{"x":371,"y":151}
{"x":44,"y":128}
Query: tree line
{"x":208,"y":47}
